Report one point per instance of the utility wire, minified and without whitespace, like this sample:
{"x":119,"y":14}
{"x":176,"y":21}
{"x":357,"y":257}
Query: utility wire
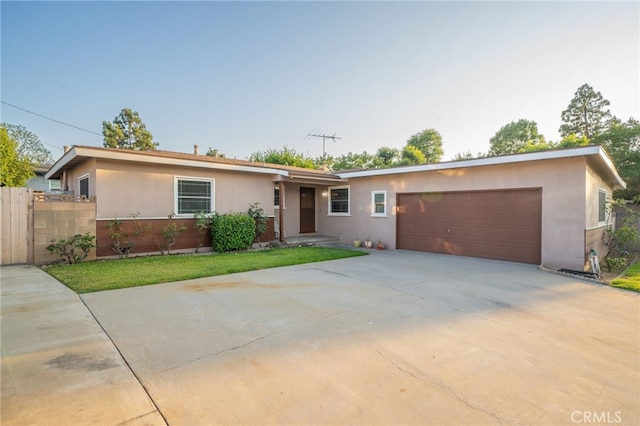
{"x":51,"y":119}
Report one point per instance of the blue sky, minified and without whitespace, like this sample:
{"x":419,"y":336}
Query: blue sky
{"x":246,"y":76}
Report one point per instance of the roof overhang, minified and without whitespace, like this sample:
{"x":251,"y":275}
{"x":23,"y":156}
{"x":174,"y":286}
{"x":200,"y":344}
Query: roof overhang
{"x":596,"y":155}
{"x":78,"y":154}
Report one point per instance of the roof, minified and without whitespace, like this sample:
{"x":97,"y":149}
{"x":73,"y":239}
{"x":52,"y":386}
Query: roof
{"x":77,"y":154}
{"x":596,"y":156}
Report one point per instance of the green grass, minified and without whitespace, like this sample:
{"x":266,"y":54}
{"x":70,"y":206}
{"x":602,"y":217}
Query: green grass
{"x":102,"y":275}
{"x":630,"y":280}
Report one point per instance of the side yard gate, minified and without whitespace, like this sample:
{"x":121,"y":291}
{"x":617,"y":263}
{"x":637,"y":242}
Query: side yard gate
{"x":16,"y":225}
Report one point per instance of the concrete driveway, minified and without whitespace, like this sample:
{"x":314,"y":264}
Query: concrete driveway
{"x":392,"y":338}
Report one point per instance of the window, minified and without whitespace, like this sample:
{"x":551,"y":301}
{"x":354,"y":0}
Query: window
{"x":379,"y":203}
{"x":83,"y":185}
{"x":602,"y":206}
{"x":194,"y":195}
{"x":339,"y":200}
{"x":277,"y":197}
{"x":54,"y":184}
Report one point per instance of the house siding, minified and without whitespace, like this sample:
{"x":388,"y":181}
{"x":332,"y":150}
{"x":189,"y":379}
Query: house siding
{"x":563,"y":202}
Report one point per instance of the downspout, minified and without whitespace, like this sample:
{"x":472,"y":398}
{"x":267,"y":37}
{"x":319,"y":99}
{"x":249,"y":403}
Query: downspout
{"x":281,"y":212}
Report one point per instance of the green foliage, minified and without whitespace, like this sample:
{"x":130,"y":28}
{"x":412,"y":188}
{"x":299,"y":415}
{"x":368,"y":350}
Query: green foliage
{"x":286,"y":157}
{"x":15,"y":169}
{"x":429,"y":143}
{"x":587,"y":114}
{"x":169,"y":234}
{"x":202,"y":225}
{"x":214,"y":153}
{"x":622,"y":142}
{"x":29,"y":145}
{"x":232,"y":232}
{"x":257,"y":214}
{"x":127,"y":132}
{"x":352,"y":161}
{"x":386,"y":156}
{"x":516,"y":137}
{"x":572,"y":141}
{"x":630,"y":279}
{"x":119,"y":241}
{"x":411,"y":155}
{"x":621,"y":240}
{"x":75,"y":249}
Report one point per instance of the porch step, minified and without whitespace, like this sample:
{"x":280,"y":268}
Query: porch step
{"x":311,"y":240}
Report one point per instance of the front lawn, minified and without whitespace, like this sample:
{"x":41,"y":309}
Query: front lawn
{"x":630,"y":280}
{"x":101,"y":275}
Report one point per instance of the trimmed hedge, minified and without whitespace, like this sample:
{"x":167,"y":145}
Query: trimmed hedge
{"x":232,"y":232}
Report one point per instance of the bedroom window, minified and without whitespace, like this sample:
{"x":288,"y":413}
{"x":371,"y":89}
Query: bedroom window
{"x":339,"y":200}
{"x":379,"y":203}
{"x":194,"y":195}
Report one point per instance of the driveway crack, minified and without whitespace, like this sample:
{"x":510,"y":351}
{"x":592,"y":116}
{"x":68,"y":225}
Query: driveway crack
{"x":233,"y":348}
{"x":434,"y":382}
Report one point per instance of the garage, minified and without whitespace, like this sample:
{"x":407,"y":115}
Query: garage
{"x":496,"y":224}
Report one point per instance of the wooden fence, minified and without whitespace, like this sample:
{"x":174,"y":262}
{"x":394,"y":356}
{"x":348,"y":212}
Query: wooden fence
{"x":16,"y":226}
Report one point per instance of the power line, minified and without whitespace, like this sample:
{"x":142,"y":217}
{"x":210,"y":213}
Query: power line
{"x":49,"y":118}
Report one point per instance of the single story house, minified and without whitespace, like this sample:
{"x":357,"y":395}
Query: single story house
{"x":545,"y":207}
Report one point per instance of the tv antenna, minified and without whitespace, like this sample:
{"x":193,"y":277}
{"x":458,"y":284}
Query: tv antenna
{"x":324,"y":139}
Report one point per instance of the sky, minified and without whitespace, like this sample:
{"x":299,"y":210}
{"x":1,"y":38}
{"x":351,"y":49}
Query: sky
{"x":242,"y":77}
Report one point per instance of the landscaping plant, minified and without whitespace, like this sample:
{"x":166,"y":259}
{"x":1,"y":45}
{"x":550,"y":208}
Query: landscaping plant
{"x":232,"y":232}
{"x":257,"y":213}
{"x":75,"y":249}
{"x":621,"y":240}
{"x":202,"y":225}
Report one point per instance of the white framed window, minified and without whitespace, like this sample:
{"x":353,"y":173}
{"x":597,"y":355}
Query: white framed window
{"x":83,"y":185}
{"x":379,"y":203}
{"x":194,"y":195}
{"x":339,"y":203}
{"x":278,"y":198}
{"x":602,"y":206}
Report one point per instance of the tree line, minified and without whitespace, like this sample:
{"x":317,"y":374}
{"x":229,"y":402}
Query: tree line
{"x":587,"y":120}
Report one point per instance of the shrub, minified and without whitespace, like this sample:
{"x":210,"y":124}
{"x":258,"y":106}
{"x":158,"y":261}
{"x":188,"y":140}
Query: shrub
{"x":75,"y":249}
{"x":119,"y":238}
{"x":169,"y":235}
{"x":257,"y":213}
{"x":232,"y":232}
{"x":615,"y":264}
{"x":202,"y":225}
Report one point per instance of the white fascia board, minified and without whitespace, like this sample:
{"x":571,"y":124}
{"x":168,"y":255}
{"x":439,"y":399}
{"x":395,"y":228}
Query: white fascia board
{"x":607,"y":161}
{"x":66,"y":157}
{"x":487,"y":161}
{"x":111,"y":155}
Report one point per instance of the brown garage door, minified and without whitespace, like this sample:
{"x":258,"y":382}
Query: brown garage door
{"x":503,"y":225}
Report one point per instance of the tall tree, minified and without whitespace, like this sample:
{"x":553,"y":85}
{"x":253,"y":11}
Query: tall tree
{"x":429,"y":142}
{"x":622,"y":142}
{"x":127,"y":131}
{"x":287,"y":157}
{"x":15,"y":169}
{"x":587,"y":114}
{"x":516,"y":137}
{"x":411,"y":155}
{"x":386,"y":156}
{"x":28,"y":144}
{"x":353,"y":161}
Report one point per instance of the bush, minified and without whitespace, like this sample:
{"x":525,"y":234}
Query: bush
{"x":257,"y":213}
{"x":232,"y":232}
{"x":75,"y":249}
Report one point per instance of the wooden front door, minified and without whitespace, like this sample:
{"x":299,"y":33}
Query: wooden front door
{"x":307,"y":210}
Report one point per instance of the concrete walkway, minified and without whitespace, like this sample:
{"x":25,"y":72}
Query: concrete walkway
{"x":58,"y":365}
{"x":396,"y":337}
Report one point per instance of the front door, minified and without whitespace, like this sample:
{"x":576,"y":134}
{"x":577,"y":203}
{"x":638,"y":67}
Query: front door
{"x":307,"y":210}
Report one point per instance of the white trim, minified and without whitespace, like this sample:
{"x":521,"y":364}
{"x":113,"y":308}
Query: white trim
{"x":489,"y":161}
{"x":193,"y":179}
{"x":591,"y":228}
{"x":373,"y":204}
{"x":282,"y":198}
{"x":348,"y":212}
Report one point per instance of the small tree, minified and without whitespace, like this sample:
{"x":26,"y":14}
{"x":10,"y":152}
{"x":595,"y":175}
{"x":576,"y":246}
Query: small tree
{"x":119,"y":241}
{"x":170,"y":233}
{"x":257,"y":213}
{"x":620,"y":241}
{"x":75,"y":249}
{"x":15,"y":169}
{"x":202,"y":225}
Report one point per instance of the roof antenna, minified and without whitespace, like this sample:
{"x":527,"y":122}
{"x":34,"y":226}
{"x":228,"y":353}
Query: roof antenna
{"x":324,"y":139}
